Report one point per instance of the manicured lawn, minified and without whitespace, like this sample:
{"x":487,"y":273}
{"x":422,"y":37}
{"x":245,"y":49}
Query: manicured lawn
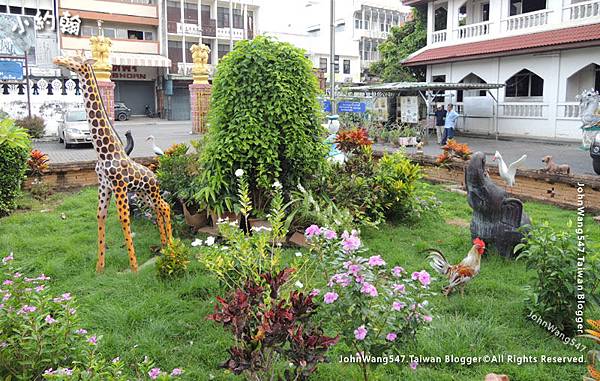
{"x":138,"y":315}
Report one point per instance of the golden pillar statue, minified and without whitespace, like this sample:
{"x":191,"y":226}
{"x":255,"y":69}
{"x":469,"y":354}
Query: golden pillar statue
{"x":200,"y":59}
{"x":100,"y":47}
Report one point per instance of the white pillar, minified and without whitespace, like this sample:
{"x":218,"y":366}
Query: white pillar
{"x":182,"y":20}
{"x":245,"y":20}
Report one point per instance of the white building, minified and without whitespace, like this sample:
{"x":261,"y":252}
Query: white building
{"x":360,"y":26}
{"x":545,"y":51}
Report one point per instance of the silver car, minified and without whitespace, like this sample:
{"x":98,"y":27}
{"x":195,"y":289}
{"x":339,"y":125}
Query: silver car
{"x":74,"y":129}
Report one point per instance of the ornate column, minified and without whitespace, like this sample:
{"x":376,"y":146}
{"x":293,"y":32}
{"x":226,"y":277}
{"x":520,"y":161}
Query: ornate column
{"x":200,"y":89}
{"x":100,"y":47}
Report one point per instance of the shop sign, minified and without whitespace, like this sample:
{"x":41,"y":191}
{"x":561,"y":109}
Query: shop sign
{"x":132,"y":73}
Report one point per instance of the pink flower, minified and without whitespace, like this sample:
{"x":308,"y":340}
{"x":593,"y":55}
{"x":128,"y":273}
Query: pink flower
{"x":360,"y":333}
{"x":43,"y":277}
{"x":329,"y":234}
{"x":422,"y":276}
{"x":177,"y":372}
{"x":369,"y":289}
{"x":398,"y":288}
{"x":391,"y":336}
{"x":359,"y":279}
{"x":397,"y":306}
{"x":93,"y":340}
{"x":397,"y":271}
{"x":39,"y":288}
{"x":342,"y":279}
{"x":81,"y":331}
{"x":49,"y":319}
{"x":17,"y":275}
{"x":66,"y":296}
{"x":6,"y":297}
{"x":354,"y":269}
{"x":7,"y":282}
{"x":312,"y":230}
{"x":376,"y":260}
{"x":414,"y":364}
{"x":351,"y":243}
{"x":116,"y":360}
{"x":154,"y":373}
{"x":427,"y":318}
{"x":8,"y":258}
{"x":330,"y":297}
{"x":26,"y":309}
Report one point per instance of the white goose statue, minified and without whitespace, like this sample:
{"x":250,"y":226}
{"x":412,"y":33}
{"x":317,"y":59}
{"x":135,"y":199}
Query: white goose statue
{"x":507,"y":173}
{"x":157,"y":150}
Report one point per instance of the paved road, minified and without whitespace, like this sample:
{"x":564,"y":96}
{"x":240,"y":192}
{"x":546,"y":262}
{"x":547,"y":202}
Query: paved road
{"x":167,"y":133}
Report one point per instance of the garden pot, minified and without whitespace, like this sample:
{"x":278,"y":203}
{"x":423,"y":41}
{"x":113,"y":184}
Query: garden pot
{"x":197,"y":220}
{"x":407,"y":141}
{"x":298,"y":239}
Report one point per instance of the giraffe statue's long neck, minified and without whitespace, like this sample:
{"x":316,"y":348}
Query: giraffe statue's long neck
{"x":104,"y":137}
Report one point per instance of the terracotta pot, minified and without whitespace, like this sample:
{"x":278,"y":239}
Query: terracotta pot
{"x":198,"y":220}
{"x":298,"y":239}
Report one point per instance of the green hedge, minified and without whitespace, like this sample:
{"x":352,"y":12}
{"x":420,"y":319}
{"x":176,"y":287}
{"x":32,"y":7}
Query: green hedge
{"x":14,"y":151}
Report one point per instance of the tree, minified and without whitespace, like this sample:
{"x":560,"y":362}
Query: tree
{"x":402,"y":42}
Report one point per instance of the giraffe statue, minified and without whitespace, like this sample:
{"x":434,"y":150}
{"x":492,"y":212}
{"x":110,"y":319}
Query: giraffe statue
{"x":116,"y":172}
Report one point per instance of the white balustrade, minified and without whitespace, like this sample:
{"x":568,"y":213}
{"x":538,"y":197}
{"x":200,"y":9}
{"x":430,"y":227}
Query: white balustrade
{"x":527,"y":20}
{"x":238,"y":34}
{"x":473,"y":30}
{"x":523,"y":110}
{"x":582,"y":10}
{"x":568,"y":110}
{"x":439,"y":36}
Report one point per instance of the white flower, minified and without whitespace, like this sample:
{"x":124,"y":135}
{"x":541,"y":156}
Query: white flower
{"x":298,"y":284}
{"x":298,"y":254}
{"x":277,"y":185}
{"x":210,"y":241}
{"x":239,"y":172}
{"x":197,"y":242}
{"x":260,"y":228}
{"x":301,"y":188}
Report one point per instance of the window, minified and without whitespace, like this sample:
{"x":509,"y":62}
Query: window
{"x":440,"y":19}
{"x":223,"y":50}
{"x":346,"y":66}
{"x":148,"y":36}
{"x":109,"y":32}
{"x":222,"y":17}
{"x":323,"y":64}
{"x":135,"y":34}
{"x":485,"y":12}
{"x":524,"y":84}
{"x":518,"y":7}
{"x":439,"y":78}
{"x":238,"y":20}
{"x":462,"y":15}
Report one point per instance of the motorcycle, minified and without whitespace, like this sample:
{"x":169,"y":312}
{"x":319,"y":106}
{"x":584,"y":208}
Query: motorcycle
{"x":149,"y":113}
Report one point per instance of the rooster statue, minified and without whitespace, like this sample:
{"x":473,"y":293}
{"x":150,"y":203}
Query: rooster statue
{"x":460,"y":274}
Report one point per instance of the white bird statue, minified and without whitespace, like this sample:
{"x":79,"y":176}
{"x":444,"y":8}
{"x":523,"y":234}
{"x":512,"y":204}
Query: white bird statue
{"x":155,"y":148}
{"x":507,"y":173}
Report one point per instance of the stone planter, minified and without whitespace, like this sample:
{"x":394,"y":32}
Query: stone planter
{"x":298,"y":239}
{"x":197,"y":220}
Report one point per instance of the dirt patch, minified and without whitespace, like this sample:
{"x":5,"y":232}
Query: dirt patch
{"x":458,"y":222}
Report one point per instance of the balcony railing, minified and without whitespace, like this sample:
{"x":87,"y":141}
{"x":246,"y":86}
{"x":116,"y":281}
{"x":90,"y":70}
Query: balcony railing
{"x":206,"y":29}
{"x":439,"y":36}
{"x":568,"y":110}
{"x":526,"y":20}
{"x":583,"y":10}
{"x":238,"y":34}
{"x":523,"y":110}
{"x":473,"y":30}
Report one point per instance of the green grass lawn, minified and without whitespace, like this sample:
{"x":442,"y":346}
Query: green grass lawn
{"x":138,"y":315}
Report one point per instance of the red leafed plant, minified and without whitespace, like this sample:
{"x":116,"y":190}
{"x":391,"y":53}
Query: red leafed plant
{"x":350,"y":141}
{"x":38,"y":163}
{"x":269,"y":327}
{"x":454,"y":149}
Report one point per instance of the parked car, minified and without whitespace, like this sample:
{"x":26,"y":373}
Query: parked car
{"x":595,"y":153}
{"x":74,"y":128}
{"x":122,"y":112}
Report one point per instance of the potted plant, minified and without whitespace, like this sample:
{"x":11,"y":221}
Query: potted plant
{"x":407,"y":136}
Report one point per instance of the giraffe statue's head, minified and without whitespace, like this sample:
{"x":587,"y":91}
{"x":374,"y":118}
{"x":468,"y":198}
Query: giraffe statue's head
{"x":77,"y":64}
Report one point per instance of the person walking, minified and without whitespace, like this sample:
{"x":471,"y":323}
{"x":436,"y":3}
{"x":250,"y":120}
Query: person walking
{"x":440,"y":121}
{"x":449,"y":124}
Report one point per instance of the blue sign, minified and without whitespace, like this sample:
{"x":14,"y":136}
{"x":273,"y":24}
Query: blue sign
{"x":11,"y":70}
{"x":349,"y":106}
{"x":326,"y":105}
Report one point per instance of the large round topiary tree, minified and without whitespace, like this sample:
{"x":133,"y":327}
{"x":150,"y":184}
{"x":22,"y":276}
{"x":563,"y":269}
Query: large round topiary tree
{"x":264,"y":119}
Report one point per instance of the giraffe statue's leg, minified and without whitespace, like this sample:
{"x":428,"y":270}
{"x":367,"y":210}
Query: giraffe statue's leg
{"x":163,"y":209}
{"x":104,"y":194}
{"x":123,"y":210}
{"x":160,"y":221}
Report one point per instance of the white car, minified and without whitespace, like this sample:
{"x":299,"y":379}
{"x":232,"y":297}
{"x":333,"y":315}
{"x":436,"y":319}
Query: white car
{"x":74,"y":129}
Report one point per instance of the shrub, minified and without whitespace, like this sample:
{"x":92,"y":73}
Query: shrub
{"x":177,"y":170}
{"x":372,"y":307}
{"x":173,"y":260}
{"x":401,"y":193}
{"x":554,"y":257}
{"x":38,"y":164}
{"x":352,"y":141}
{"x":453,"y":149}
{"x":34,"y":125}
{"x":270,"y":328}
{"x":14,"y":151}
{"x":264,"y":119}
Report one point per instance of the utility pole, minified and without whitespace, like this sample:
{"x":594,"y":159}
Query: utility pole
{"x":332,"y":56}
{"x":230,"y":25}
